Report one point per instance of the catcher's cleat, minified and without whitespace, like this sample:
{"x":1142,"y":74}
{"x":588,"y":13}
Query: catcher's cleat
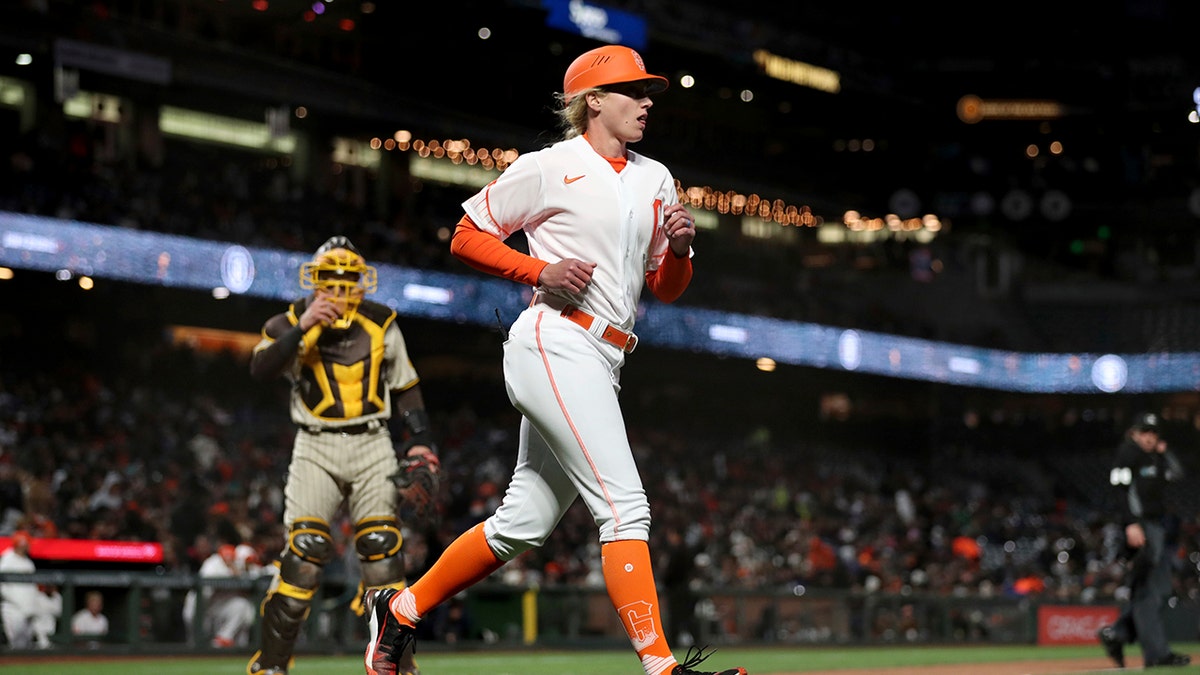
{"x":1113,"y":646}
{"x":694,"y":659}
{"x":256,"y":668}
{"x":389,"y":638}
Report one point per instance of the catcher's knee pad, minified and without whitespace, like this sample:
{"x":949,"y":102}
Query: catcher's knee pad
{"x":309,"y":548}
{"x":376,"y":538}
{"x":377,"y":542}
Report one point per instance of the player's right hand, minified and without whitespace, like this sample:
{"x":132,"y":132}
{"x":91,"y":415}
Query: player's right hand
{"x":322,"y":310}
{"x":569,"y":274}
{"x":1134,"y":535}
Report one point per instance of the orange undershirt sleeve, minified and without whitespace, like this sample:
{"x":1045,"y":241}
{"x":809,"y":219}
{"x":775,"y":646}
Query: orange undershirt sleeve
{"x":671,"y":278}
{"x":487,"y":253}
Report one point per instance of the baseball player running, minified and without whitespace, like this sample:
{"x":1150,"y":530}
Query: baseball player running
{"x":601,"y":222}
{"x":350,"y":371}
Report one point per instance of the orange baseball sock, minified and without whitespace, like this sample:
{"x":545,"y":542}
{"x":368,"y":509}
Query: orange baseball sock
{"x":630,"y":582}
{"x":466,"y":561}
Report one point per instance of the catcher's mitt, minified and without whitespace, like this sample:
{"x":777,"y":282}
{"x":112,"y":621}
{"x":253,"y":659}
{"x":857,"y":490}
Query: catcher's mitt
{"x":417,"y":485}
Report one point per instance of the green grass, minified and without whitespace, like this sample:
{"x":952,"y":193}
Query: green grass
{"x":759,"y":661}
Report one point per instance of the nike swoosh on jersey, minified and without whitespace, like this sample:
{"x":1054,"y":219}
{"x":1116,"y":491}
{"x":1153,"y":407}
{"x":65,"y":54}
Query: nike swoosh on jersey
{"x":568,"y":181}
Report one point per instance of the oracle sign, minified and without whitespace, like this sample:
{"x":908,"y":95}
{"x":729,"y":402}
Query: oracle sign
{"x":91,"y":550}
{"x":1072,"y":624}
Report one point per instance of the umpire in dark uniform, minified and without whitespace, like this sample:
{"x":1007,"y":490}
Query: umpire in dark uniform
{"x":1141,"y":470}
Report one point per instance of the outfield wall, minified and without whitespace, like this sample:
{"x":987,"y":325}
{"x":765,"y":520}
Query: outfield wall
{"x":145,"y":613}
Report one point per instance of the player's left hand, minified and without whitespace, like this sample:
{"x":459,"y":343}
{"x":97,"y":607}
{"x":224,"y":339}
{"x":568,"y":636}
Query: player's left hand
{"x":680,"y":228}
{"x":417,"y":486}
{"x":426,"y":454}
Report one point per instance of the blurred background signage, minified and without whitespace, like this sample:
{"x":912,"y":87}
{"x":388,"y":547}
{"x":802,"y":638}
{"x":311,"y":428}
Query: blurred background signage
{"x":597,"y":22}
{"x":972,"y":109}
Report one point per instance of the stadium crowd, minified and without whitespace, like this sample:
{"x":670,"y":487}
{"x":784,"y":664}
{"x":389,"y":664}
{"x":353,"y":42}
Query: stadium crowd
{"x":162,"y":443}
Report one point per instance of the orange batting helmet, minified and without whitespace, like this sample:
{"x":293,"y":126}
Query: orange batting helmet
{"x":610,"y":64}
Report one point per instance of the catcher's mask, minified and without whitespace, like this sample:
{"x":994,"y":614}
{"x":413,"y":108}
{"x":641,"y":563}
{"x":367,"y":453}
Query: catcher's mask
{"x":339,"y":272}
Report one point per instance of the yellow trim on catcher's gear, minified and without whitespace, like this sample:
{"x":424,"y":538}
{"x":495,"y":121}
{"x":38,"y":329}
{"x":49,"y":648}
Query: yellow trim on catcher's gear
{"x":359,"y":608}
{"x":368,"y":525}
{"x":293,"y":591}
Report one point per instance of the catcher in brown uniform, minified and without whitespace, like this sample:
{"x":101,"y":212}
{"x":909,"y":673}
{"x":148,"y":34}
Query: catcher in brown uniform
{"x":350,"y":373}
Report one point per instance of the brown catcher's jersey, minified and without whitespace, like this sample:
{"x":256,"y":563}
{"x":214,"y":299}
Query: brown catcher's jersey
{"x":344,"y":377}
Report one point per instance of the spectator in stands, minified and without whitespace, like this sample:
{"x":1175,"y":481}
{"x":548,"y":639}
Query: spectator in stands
{"x":228,"y":612}
{"x":18,"y":599}
{"x":45,"y":615}
{"x":89,"y":625}
{"x":12,"y":500}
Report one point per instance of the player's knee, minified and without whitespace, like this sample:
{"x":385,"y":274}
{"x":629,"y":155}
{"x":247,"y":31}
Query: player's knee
{"x":506,"y":547}
{"x":309,"y":549}
{"x":311,"y":541}
{"x":377,"y":542}
{"x":634,"y":524}
{"x":377,"y":538}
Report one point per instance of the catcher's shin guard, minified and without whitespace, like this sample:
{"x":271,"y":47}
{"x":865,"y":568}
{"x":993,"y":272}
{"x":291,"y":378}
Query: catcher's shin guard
{"x":283,"y":612}
{"x":289,"y":599}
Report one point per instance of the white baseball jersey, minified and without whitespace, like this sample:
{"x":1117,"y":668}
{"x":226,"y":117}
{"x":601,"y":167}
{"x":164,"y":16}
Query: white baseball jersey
{"x":229,"y":613}
{"x":86,"y":624}
{"x":17,"y":599}
{"x":572,"y":204}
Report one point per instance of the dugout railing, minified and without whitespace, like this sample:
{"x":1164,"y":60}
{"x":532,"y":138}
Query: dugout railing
{"x":145,"y":611}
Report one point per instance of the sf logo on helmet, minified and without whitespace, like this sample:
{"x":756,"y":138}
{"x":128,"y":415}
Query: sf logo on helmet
{"x":339,"y":272}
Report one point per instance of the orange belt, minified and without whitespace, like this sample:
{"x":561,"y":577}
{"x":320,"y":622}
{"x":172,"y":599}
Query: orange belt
{"x":626,"y":342}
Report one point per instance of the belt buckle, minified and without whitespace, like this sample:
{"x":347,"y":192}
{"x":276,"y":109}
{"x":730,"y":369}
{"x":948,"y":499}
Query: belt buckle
{"x":631,"y":341}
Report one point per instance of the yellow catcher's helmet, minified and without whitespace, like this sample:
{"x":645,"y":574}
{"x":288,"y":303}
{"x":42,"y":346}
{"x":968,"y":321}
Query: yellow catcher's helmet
{"x":340,"y":272}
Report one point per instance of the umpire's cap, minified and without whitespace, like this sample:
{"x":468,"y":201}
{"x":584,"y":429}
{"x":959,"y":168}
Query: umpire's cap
{"x":1146,"y":421}
{"x":610,"y":64}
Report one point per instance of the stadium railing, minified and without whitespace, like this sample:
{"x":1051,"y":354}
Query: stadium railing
{"x":145,"y":614}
